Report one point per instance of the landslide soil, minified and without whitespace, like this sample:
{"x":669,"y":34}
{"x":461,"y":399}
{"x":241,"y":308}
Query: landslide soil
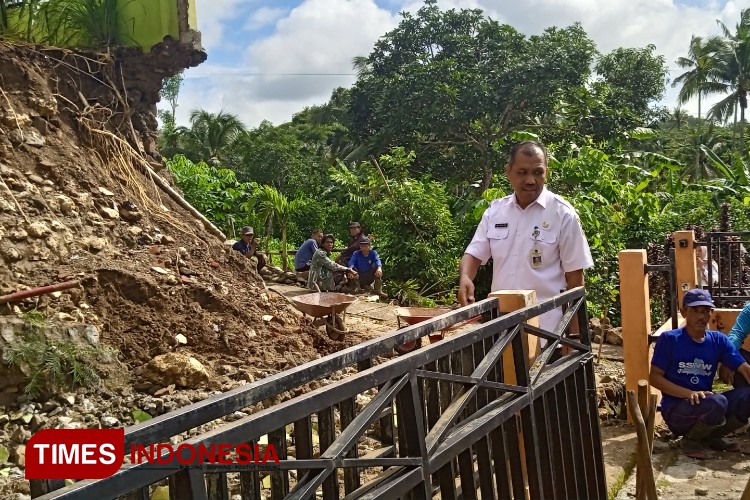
{"x":76,"y":130}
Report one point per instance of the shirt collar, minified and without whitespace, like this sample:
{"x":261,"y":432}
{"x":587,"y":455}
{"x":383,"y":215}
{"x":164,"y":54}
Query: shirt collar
{"x":542,"y":199}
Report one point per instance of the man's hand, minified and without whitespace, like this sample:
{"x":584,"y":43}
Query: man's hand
{"x":696,"y":396}
{"x":465,"y":291}
{"x":726,"y":375}
{"x":378,"y":273}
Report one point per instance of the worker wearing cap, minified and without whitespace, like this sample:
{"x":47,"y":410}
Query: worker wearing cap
{"x":366,"y":262}
{"x":683,"y":368}
{"x":248,"y":246}
{"x":355,"y":237}
{"x":533,"y":236}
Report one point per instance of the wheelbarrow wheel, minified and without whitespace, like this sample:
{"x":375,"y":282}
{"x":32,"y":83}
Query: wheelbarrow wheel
{"x":408,"y":347}
{"x":333,"y":332}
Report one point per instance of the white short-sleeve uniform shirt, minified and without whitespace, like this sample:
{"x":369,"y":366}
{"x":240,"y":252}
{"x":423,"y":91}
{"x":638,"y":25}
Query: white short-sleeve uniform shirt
{"x":532,"y":249}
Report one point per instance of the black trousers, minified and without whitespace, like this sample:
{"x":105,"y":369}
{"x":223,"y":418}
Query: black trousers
{"x":739,"y":380}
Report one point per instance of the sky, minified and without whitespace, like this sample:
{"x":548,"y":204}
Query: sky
{"x":268,"y":59}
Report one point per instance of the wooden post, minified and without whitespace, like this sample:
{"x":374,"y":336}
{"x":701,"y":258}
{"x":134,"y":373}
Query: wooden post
{"x":636,"y":317}
{"x":685,"y":267}
{"x":509,"y":301}
{"x":645,"y":469}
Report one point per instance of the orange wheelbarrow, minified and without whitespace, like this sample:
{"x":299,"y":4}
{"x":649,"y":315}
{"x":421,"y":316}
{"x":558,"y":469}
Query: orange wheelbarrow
{"x":326,"y":308}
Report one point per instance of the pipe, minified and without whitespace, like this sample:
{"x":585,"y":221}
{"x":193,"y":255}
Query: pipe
{"x":34,"y":292}
{"x":207,"y":224}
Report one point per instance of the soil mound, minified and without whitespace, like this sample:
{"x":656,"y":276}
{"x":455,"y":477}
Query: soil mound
{"x":78,"y":201}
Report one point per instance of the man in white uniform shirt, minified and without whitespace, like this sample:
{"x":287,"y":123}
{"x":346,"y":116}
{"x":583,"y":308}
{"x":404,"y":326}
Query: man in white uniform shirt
{"x":534,"y":237}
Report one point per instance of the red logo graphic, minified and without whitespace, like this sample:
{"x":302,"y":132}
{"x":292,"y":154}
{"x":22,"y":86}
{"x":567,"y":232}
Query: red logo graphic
{"x":74,"y":453}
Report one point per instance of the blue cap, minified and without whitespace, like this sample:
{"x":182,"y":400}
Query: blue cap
{"x":697,"y":297}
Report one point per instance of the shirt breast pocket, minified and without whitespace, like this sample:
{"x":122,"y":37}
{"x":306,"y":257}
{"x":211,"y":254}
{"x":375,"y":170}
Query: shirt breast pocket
{"x":498,"y":233}
{"x":546,"y":238}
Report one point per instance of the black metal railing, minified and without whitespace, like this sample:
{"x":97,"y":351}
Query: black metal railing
{"x":454,"y":418}
{"x":729,"y":280}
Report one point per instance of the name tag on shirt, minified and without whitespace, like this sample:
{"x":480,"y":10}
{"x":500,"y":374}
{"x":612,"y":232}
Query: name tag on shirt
{"x":501,"y":225}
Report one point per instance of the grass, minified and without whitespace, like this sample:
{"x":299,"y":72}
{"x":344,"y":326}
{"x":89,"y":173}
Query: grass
{"x":719,"y":386}
{"x":627,"y":470}
{"x":55,"y":365}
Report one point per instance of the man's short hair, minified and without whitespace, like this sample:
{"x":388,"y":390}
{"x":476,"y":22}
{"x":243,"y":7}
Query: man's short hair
{"x":317,"y":231}
{"x":528,"y":148}
{"x":328,"y":237}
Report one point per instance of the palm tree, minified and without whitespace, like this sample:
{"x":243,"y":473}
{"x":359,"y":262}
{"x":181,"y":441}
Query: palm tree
{"x":271,"y":204}
{"x":732,"y":64}
{"x":210,"y":136}
{"x":701,"y":75}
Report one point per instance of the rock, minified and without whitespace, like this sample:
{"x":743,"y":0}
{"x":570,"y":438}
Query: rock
{"x":11,"y":254}
{"x":108,"y":422}
{"x":183,"y":252}
{"x":47,"y":164}
{"x":267,"y":317}
{"x":50,"y":405}
{"x":65,"y":420}
{"x":4,"y":419}
{"x":36,"y":179}
{"x":164,"y":391}
{"x":181,"y":339}
{"x":130,"y":216}
{"x":39,"y":229}
{"x":172,"y":280}
{"x":154,"y":249}
{"x":106,"y":192}
{"x":62,"y":316}
{"x":92,"y":243}
{"x":614,"y":336}
{"x":19,"y":454}
{"x":166,"y":240}
{"x":597,"y":339}
{"x":109,"y":213}
{"x":68,"y":398}
{"x":178,"y":369}
{"x":185,"y":271}
{"x":28,"y":136}
{"x":65,"y":204}
{"x":17,"y":234}
{"x":160,"y":270}
{"x":135,"y":230}
{"x":701,"y":492}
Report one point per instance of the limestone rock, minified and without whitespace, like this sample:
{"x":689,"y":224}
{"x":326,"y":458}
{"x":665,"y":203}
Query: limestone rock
{"x":614,"y":336}
{"x":39,"y":229}
{"x":178,"y":369}
{"x":110,"y":213}
{"x":17,"y":234}
{"x":94,"y":244}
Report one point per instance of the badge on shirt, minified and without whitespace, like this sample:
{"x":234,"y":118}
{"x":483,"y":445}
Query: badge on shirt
{"x":501,"y":225}
{"x":545,"y":225}
{"x":536,"y":258}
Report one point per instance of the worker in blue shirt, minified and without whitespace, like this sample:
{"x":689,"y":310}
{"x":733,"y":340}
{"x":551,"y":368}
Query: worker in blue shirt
{"x":683,"y":369}
{"x":366,"y":262}
{"x":737,"y":336}
{"x":305,"y":252}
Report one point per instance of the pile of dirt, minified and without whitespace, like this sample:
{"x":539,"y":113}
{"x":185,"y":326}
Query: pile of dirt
{"x":77,"y":140}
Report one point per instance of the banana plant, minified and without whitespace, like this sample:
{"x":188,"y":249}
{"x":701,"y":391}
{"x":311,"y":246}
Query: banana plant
{"x":735,"y":178}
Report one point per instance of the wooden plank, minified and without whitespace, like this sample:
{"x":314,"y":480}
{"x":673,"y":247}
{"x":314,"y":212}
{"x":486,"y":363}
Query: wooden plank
{"x":250,"y":483}
{"x":352,"y":481}
{"x":216,"y":486}
{"x":686,"y":269}
{"x":326,"y":436}
{"x":500,"y":463}
{"x":188,"y":483}
{"x":279,"y":478}
{"x":462,"y":364}
{"x":636,"y":316}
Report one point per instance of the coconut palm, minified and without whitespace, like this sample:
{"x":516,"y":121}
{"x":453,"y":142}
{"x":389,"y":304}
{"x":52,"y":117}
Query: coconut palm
{"x":210,"y":136}
{"x":732,"y":63}
{"x":701,"y":76}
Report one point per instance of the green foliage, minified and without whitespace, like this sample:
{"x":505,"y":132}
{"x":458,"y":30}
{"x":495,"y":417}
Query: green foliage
{"x":65,"y":23}
{"x":140,"y":415}
{"x":215,"y":192}
{"x":52,"y":366}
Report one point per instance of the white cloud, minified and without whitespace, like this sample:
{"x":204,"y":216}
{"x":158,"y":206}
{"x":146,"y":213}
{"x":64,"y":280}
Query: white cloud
{"x":320,"y":37}
{"x":264,"y":16}
{"x":212,"y":14}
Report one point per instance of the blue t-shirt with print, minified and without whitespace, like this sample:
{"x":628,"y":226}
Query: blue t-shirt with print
{"x":691,"y":364}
